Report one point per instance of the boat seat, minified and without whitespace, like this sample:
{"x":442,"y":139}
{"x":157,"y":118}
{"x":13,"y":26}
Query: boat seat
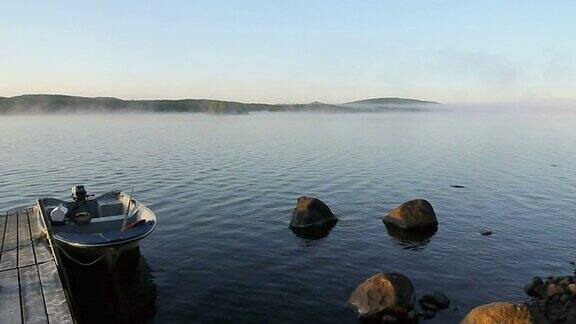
{"x":115,"y":217}
{"x":110,"y":207}
{"x":107,"y":218}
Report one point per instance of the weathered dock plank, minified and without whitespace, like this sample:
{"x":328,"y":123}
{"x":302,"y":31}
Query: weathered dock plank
{"x":32,"y":299}
{"x":10,"y":311}
{"x":42,"y":251}
{"x":54,"y":296}
{"x":10,"y":247}
{"x":31,"y":290}
{"x":25,"y":252}
{"x":2,"y":231}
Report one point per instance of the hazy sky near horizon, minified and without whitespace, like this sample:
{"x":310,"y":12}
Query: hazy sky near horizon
{"x":291,"y":51}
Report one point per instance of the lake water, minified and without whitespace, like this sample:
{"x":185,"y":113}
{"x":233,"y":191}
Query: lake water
{"x":223,"y":188}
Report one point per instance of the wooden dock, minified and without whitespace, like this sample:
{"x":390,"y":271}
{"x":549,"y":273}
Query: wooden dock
{"x":31,"y":289}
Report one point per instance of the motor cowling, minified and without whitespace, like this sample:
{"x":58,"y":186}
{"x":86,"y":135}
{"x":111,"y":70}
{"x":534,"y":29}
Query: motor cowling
{"x":79,"y":193}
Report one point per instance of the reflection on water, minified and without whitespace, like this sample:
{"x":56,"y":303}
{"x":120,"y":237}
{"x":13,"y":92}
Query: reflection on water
{"x":127,"y":294}
{"x":410,"y":240}
{"x":314,"y":232}
{"x":223,"y":188}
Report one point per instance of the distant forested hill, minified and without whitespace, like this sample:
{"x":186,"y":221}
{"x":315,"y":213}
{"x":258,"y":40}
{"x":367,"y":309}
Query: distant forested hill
{"x":39,"y":103}
{"x":390,"y":104}
{"x":390,"y":101}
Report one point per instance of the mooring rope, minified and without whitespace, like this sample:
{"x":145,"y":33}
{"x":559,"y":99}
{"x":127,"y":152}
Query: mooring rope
{"x":80,"y":263}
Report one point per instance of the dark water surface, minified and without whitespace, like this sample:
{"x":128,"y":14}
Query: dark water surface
{"x":223,"y":188}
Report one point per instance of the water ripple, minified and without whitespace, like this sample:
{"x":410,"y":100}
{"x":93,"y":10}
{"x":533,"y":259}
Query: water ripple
{"x":224,"y":187}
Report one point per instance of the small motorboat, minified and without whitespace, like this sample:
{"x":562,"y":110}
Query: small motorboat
{"x":87,"y":230}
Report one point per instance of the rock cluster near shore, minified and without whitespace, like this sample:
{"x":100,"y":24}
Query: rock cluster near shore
{"x":553,"y":297}
{"x":383,"y":294}
{"x":503,"y":313}
{"x":390,"y":298}
{"x":384,"y":297}
{"x":552,"y":300}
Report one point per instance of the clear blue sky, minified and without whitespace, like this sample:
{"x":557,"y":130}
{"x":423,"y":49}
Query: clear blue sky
{"x":291,"y":51}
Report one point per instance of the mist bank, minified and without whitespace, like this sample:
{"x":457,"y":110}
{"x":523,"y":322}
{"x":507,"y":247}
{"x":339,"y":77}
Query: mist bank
{"x":42,"y":103}
{"x":533,"y":106}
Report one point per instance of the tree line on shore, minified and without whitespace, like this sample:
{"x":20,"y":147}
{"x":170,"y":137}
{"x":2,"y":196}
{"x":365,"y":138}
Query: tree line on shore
{"x":40,"y":103}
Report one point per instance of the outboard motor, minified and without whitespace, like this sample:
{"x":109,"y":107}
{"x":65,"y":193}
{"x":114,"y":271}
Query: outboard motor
{"x":79,"y":214}
{"x":79,"y":193}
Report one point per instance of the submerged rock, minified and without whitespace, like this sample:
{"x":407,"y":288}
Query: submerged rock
{"x":383,"y":294}
{"x":428,"y":307}
{"x":412,"y":316}
{"x":436,"y":298}
{"x":554,"y":298}
{"x":553,"y":289}
{"x":416,"y":214}
{"x":411,"y":240}
{"x":502,"y":313}
{"x":534,"y":287}
{"x":311,"y":212}
{"x":313,"y":232}
{"x":428,"y":314}
{"x":564,"y":298}
{"x":389,"y":319}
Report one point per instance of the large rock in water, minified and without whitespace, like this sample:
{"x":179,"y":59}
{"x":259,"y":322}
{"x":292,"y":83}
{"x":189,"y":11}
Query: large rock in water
{"x":381,"y":294}
{"x":311,"y":212}
{"x":415,"y":214}
{"x":503,"y":313}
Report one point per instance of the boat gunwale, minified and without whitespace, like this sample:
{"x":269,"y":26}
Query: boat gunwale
{"x":104,"y":245}
{"x":112,"y":244}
